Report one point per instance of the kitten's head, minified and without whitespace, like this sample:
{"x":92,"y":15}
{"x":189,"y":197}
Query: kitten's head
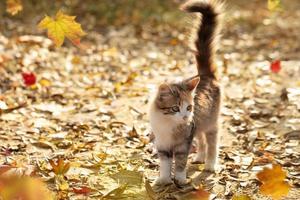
{"x":176,"y":100}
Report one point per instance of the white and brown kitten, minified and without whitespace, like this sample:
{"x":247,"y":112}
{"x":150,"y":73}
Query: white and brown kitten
{"x":189,"y":109}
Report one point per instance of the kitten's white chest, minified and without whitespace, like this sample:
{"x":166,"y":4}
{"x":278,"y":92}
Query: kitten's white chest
{"x":162,"y":128}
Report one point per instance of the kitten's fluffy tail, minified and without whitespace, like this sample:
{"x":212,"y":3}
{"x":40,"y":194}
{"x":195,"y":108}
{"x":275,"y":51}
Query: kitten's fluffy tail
{"x":206,"y":33}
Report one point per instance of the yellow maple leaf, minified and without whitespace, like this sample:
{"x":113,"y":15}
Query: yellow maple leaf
{"x":62,"y":26}
{"x":13,"y":6}
{"x":273,"y":183}
{"x":274,"y":5}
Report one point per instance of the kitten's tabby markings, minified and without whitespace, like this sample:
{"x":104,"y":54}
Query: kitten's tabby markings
{"x":189,"y":108}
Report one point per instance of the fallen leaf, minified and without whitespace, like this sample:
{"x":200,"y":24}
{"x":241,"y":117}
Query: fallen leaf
{"x":5,"y":168}
{"x":273,"y":183}
{"x":275,"y":66}
{"x":115,"y":192}
{"x":13,"y":6}
{"x":82,"y":190}
{"x":173,"y":41}
{"x":150,"y":190}
{"x":200,"y":194}
{"x":76,"y":60}
{"x":61,"y":183}
{"x":29,"y":78}
{"x":24,"y":187}
{"x":44,"y":144}
{"x":62,"y":26}
{"x":60,"y":167}
{"x":241,"y":197}
{"x":8,"y":110}
{"x":128,"y":177}
{"x":45,"y":82}
{"x":133,"y":133}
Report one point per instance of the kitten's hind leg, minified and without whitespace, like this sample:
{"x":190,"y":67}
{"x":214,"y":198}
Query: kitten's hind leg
{"x":201,"y":150}
{"x":212,"y":150}
{"x":165,"y":165}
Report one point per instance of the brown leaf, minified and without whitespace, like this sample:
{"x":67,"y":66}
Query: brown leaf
{"x":60,"y":167}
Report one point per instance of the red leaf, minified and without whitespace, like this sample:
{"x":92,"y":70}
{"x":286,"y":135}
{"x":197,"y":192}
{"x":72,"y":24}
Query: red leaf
{"x":6,"y":152}
{"x":275,"y":66}
{"x":29,"y":78}
{"x":83,"y":190}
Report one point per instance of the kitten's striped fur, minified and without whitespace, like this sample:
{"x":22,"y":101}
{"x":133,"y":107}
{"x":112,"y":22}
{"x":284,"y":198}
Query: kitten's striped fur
{"x":188,"y":109}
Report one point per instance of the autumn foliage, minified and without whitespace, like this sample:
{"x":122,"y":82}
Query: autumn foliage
{"x":273,"y":182}
{"x":23,"y":188}
{"x":62,"y":26}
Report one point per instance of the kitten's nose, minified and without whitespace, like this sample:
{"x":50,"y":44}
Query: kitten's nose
{"x":185,"y":118}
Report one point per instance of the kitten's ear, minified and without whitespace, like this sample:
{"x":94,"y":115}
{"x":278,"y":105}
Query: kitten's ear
{"x":164,"y":88}
{"x":192,"y":83}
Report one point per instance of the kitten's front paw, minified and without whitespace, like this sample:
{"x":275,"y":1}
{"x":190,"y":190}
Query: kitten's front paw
{"x":211,"y":167}
{"x":180,"y":181}
{"x":180,"y":178}
{"x":161,"y":181}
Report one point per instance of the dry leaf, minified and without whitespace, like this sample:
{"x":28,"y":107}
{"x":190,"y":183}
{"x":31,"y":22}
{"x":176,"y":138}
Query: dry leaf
{"x":45,"y":82}
{"x":273,"y":183}
{"x":62,"y":26}
{"x":13,"y":6}
{"x":29,"y":78}
{"x":128,"y":177}
{"x":24,"y":187}
{"x":275,"y":66}
{"x":150,"y":190}
{"x":241,"y":197}
{"x":82,"y":190}
{"x":60,"y":168}
{"x":200,"y":194}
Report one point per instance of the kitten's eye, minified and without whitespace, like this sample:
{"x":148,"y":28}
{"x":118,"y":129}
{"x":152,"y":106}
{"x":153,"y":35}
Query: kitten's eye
{"x":189,"y":108}
{"x":175,"y":109}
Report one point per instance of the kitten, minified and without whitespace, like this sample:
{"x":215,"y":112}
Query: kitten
{"x":188,"y":109}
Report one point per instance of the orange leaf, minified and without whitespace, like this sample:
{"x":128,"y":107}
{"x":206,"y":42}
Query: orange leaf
{"x":60,"y":168}
{"x":200,"y":194}
{"x":5,"y":168}
{"x":275,"y":189}
{"x":273,"y":183}
{"x":272,"y":175}
{"x":23,"y":187}
{"x":13,"y":6}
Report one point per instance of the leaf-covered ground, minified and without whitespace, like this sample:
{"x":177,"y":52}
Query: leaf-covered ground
{"x":89,"y":106}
